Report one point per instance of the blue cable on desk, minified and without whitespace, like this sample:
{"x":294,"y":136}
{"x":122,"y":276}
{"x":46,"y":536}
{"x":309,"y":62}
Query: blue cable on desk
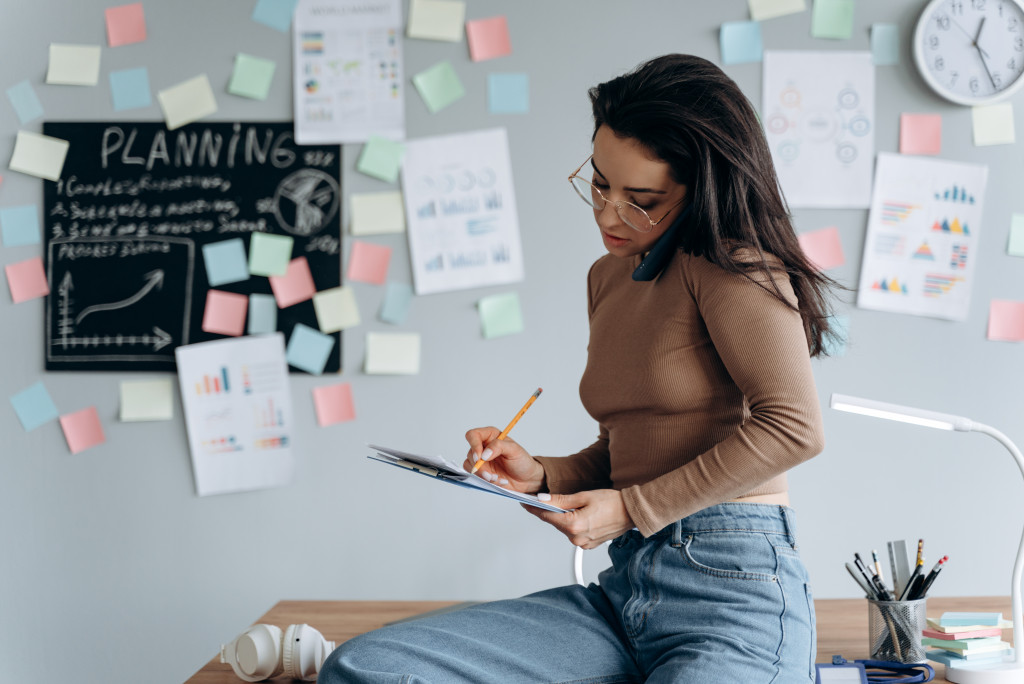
{"x":886,"y":672}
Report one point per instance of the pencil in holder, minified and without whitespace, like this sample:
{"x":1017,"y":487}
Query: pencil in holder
{"x":894,"y":630}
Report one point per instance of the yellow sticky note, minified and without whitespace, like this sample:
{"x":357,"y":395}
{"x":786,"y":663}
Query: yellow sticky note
{"x":336,"y":309}
{"x":147,"y":400}
{"x":374,"y":213}
{"x":39,"y":155}
{"x":993,"y":124}
{"x":188,"y":101}
{"x":392,"y":354}
{"x":769,"y":9}
{"x":436,"y":19}
{"x":73,"y":65}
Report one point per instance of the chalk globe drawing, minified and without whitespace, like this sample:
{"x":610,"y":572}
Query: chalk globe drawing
{"x":306,"y":201}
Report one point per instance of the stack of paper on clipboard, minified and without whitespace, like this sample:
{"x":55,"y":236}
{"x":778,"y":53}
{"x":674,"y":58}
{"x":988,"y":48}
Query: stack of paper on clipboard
{"x":442,"y":469}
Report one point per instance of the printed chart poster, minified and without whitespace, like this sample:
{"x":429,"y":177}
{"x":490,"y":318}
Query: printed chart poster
{"x":348,"y":82}
{"x":461,"y":212}
{"x":819,"y":118}
{"x":238,"y":411}
{"x":922,"y":237}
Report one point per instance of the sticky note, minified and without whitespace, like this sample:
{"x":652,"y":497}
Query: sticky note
{"x":1005,"y":324}
{"x":187,"y":101}
{"x":840,"y":324}
{"x":488,"y":38}
{"x":225,"y":262}
{"x":277,"y":14}
{"x":38,"y":155}
{"x":381,"y":158}
{"x":769,"y":9}
{"x":20,"y":225}
{"x":396,"y":304}
{"x":500,"y":315}
{"x":1015,"y":246}
{"x":336,"y":309}
{"x":920,"y":133}
{"x":129,"y":88}
{"x":251,"y":77}
{"x":295,"y":286}
{"x":308,"y":349}
{"x":34,"y":406}
{"x":73,"y":65}
{"x":823,"y":247}
{"x":334,"y":404}
{"x":439,"y":86}
{"x":885,"y":44}
{"x":147,"y":400}
{"x":126,"y":24}
{"x":740,"y":42}
{"x":269,"y":255}
{"x":993,"y":124}
{"x":262,"y":314}
{"x":25,"y":102}
{"x":392,"y":354}
{"x":27,"y":280}
{"x":436,"y":19}
{"x":368,"y":263}
{"x":82,"y":429}
{"x":225,"y":313}
{"x":377,"y":212}
{"x":953,"y":618}
{"x":508,"y":93}
{"x":832,"y":19}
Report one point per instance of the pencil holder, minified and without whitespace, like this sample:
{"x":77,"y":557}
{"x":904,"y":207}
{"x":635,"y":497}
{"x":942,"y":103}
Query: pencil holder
{"x":894,"y":630}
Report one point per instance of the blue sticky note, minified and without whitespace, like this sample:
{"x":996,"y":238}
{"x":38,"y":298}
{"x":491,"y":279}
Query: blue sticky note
{"x":277,"y":14}
{"x":130,"y":88}
{"x":20,"y":225}
{"x":508,"y":93}
{"x":961,"y":619}
{"x":740,"y":42}
{"x":262,"y":314}
{"x":226,"y":262}
{"x":397,"y":300}
{"x":34,"y":406}
{"x":308,"y":349}
{"x":885,"y":44}
{"x":25,"y":102}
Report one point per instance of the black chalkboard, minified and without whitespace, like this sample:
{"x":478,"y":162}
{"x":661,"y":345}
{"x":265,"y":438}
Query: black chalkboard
{"x":126,"y":222}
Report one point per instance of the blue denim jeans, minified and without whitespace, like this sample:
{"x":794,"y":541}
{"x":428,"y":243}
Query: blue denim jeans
{"x":719,"y":597}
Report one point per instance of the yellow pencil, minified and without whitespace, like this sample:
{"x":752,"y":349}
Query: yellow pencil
{"x":504,"y":433}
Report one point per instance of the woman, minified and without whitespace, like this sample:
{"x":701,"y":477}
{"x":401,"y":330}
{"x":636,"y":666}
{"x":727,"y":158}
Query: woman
{"x":703,"y":317}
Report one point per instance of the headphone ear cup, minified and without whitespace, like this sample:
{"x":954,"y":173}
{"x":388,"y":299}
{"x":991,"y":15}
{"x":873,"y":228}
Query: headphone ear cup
{"x":303,"y":651}
{"x":255,"y":654}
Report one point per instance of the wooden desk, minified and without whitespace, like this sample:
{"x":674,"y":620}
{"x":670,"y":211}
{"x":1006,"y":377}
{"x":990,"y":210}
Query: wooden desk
{"x":842,"y":624}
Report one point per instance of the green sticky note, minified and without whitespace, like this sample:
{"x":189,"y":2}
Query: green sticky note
{"x":269,"y":255}
{"x":1016,"y":244}
{"x":381,"y":158}
{"x":251,"y":77}
{"x":439,"y":86}
{"x":500,"y":315}
{"x":832,"y":19}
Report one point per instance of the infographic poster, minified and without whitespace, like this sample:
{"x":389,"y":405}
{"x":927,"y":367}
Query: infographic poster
{"x":922,"y":237}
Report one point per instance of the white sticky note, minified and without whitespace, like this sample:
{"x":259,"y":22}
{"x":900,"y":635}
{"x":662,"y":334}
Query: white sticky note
{"x":147,"y":400}
{"x":374,"y":213}
{"x":993,"y":124}
{"x":392,"y":354}
{"x":39,"y":155}
{"x":769,"y":9}
{"x":336,"y":309}
{"x":188,"y":101}
{"x":73,"y":65}
{"x":437,"y":19}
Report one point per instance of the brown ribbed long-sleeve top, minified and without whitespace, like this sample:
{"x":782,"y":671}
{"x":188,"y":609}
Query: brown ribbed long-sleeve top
{"x":701,"y":384}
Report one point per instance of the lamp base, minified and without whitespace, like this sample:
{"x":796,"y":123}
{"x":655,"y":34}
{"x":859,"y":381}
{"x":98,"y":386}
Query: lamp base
{"x":1007,"y":672}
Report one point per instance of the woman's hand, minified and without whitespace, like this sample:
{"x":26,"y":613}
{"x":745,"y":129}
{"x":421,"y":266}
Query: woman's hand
{"x":505,"y":462}
{"x":597,"y":516}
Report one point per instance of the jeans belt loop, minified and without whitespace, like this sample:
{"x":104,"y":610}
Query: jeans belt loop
{"x":788,"y":522}
{"x":677,"y":534}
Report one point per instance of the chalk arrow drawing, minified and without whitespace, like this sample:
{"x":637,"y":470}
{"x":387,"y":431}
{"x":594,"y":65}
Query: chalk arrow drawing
{"x":158,"y":340}
{"x":153,"y":279}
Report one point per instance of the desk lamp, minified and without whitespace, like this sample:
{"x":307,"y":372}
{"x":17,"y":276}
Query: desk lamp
{"x":1011,"y":669}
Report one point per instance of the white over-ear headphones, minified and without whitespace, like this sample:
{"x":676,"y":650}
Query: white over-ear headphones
{"x":263,"y":651}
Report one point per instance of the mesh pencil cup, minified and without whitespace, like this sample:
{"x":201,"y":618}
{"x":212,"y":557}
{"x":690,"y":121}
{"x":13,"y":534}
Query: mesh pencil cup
{"x":894,"y":630}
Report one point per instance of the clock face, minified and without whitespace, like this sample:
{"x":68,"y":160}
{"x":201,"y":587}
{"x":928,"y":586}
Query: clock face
{"x":971,"y":51}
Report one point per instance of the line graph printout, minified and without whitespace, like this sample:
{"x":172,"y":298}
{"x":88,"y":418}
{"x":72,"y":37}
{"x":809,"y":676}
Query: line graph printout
{"x":922,"y":236}
{"x":819,"y":119}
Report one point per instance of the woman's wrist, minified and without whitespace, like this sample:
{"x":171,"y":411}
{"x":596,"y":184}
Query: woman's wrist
{"x":539,"y":482}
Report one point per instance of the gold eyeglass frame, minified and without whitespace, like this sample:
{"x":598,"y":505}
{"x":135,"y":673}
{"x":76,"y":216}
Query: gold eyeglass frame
{"x":619,"y":204}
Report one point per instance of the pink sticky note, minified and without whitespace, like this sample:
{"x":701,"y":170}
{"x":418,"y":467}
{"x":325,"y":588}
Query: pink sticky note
{"x":295,"y":286}
{"x":82,"y":429}
{"x":369,"y":263}
{"x":27,"y":280}
{"x":1006,"y":321}
{"x":225,"y":313}
{"x":126,"y":24}
{"x":488,"y":38}
{"x":823,"y":247}
{"x":920,"y":133}
{"x":334,"y":404}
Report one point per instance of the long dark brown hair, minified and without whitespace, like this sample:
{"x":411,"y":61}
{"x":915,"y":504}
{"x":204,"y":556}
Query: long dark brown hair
{"x":688,"y":113}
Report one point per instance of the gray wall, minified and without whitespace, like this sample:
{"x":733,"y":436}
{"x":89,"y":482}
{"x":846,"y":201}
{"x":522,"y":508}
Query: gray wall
{"x":111,"y":568}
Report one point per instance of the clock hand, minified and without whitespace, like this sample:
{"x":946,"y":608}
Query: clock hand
{"x":964,"y":31}
{"x":981,"y":25}
{"x":985,"y":64}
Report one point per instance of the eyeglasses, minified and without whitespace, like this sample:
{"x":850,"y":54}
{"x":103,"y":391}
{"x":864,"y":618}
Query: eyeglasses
{"x":632,"y":215}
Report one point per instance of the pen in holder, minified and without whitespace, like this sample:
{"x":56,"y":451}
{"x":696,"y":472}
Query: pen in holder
{"x":894,"y":630}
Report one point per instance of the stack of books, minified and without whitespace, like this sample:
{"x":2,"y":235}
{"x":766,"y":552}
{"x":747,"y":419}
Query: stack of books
{"x":974,"y":638}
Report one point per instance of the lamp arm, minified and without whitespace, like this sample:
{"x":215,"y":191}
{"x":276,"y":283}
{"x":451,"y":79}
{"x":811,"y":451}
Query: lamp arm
{"x":1018,"y":566}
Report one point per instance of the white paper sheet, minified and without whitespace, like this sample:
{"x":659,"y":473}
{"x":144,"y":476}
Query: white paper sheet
{"x":819,"y":117}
